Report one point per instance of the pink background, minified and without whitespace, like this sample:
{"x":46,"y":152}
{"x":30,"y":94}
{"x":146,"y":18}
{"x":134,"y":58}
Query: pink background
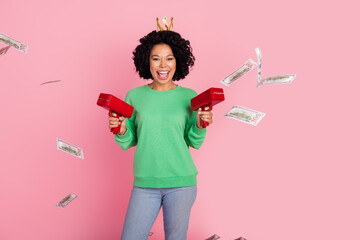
{"x":294,"y":176}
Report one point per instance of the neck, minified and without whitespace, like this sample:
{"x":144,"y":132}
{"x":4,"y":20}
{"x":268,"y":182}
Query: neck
{"x":162,"y":87}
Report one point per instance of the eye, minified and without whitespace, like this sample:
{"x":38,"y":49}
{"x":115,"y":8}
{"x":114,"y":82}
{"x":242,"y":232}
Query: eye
{"x":155,"y":59}
{"x":170,"y":59}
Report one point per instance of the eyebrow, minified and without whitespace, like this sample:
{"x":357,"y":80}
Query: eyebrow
{"x":159,"y":56}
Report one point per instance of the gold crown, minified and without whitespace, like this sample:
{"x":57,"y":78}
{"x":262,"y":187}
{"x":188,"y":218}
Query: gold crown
{"x":168,"y":28}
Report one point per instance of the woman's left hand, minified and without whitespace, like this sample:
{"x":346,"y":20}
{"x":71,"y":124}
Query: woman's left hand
{"x":205,"y":116}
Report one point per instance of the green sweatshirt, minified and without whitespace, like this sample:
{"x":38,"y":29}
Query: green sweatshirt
{"x":163,"y":126}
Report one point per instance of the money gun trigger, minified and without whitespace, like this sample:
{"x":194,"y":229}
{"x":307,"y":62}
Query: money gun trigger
{"x":117,"y":129}
{"x":205,"y":124}
{"x":210,"y":107}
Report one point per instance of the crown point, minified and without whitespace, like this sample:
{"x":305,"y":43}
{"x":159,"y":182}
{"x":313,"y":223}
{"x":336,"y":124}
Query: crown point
{"x":164,"y":20}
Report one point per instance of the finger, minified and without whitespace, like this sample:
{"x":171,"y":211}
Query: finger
{"x":113,"y":114}
{"x":204,"y":118}
{"x":202,"y":112}
{"x":114,"y":120}
{"x":206,"y":114}
{"x":207,"y":120}
{"x":121,"y":118}
{"x":198,"y":114}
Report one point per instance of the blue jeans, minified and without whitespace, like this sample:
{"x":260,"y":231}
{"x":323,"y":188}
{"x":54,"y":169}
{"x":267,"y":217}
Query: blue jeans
{"x":145,"y":204}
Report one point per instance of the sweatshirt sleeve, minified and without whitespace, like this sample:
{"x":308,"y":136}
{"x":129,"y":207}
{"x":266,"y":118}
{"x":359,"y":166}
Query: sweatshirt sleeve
{"x":194,"y":136}
{"x":129,"y":139}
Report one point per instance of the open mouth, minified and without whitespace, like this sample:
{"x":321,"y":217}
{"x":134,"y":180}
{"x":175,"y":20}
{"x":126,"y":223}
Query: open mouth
{"x":163,"y":74}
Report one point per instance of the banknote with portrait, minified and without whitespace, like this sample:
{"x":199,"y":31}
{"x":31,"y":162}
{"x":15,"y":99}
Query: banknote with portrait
{"x":240,"y":238}
{"x":245,"y":115}
{"x":16,"y":44}
{"x":259,"y":58}
{"x":213,"y":237}
{"x":279,"y":79}
{"x":70,"y":149}
{"x":241,"y":71}
{"x":66,"y":200}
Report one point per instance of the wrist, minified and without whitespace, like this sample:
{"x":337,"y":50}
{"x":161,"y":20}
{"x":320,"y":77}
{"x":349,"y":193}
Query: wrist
{"x":122,"y":133}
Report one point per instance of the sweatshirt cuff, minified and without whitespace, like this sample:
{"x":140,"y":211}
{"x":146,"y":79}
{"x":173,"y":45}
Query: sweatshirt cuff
{"x":123,"y":138}
{"x":199,"y":131}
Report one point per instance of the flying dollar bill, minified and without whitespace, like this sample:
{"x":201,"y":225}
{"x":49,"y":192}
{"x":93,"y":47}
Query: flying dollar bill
{"x":150,"y":233}
{"x":16,"y":44}
{"x":240,"y":238}
{"x":66,"y":200}
{"x":279,"y":79}
{"x":245,"y":68}
{"x":4,"y":50}
{"x":259,"y":57}
{"x":213,"y":237}
{"x":68,"y":148}
{"x":245,"y":115}
{"x":50,"y":82}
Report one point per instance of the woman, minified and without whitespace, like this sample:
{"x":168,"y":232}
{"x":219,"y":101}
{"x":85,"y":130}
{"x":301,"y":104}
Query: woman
{"x":162,"y":126}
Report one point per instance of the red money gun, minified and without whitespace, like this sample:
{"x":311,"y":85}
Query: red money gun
{"x":209,"y":98}
{"x":113,"y":104}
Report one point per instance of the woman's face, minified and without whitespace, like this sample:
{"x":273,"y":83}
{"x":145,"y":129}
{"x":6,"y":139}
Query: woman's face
{"x":162,"y":63}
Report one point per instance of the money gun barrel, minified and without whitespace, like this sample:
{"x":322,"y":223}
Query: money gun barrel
{"x":208,"y":98}
{"x":113,"y":104}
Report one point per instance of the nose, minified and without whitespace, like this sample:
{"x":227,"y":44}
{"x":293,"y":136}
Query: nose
{"x":163,"y":63}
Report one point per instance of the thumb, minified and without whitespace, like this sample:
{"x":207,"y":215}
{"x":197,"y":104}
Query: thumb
{"x":198,"y":115}
{"x":198,"y":112}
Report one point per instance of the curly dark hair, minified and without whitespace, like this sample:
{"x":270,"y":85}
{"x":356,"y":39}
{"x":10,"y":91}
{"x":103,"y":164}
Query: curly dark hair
{"x":179,"y":46}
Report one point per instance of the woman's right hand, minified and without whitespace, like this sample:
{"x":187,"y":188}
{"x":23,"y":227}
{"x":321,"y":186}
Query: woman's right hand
{"x":114,"y":122}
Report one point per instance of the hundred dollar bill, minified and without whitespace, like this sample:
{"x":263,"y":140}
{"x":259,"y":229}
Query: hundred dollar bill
{"x":240,"y":238}
{"x":259,"y":57}
{"x":279,"y":79}
{"x":245,"y":115}
{"x":213,"y":237}
{"x":68,"y":148}
{"x":66,"y":200}
{"x":50,"y":82}
{"x":4,"y":50}
{"x":245,"y":68}
{"x":16,"y":44}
